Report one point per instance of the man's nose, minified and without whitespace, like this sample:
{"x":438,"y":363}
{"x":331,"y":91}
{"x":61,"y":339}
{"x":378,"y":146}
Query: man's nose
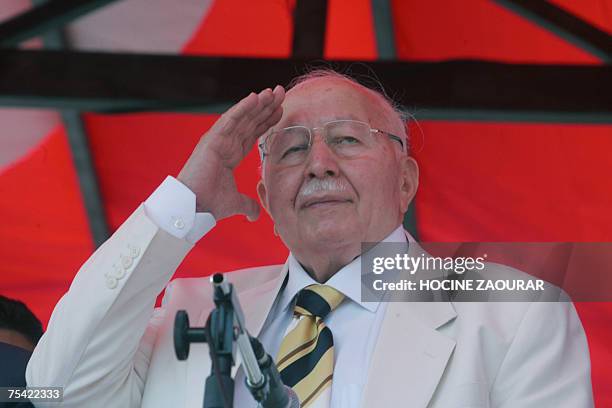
{"x":321,"y":161}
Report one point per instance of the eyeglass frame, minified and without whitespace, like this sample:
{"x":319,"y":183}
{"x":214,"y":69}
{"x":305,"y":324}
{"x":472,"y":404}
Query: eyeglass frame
{"x":311,"y":131}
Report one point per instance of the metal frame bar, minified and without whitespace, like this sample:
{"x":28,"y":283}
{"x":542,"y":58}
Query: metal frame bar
{"x":45,"y":16}
{"x":88,"y":181}
{"x":383,"y":27}
{"x":565,"y":25}
{"x":385,"y":47}
{"x":452,"y":90}
{"x":81,"y":154}
{"x":309,"y":21}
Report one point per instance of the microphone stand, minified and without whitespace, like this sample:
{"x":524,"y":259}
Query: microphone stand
{"x":219,"y":334}
{"x":225,"y":325}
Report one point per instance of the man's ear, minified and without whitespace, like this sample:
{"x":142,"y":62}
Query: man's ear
{"x":409,"y":181}
{"x":263,"y":196}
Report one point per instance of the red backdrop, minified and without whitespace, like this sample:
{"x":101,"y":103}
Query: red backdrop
{"x":480,"y":181}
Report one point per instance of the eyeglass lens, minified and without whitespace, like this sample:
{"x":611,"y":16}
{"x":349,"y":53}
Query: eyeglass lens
{"x":345,"y":138}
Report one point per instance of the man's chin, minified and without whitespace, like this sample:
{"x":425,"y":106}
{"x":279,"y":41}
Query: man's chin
{"x":333,"y":213}
{"x":328,"y":234}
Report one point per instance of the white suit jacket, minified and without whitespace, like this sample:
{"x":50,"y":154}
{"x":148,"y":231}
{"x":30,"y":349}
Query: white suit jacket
{"x":108,"y":347}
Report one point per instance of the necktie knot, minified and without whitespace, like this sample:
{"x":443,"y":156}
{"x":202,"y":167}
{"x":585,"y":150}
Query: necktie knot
{"x":317,"y":300}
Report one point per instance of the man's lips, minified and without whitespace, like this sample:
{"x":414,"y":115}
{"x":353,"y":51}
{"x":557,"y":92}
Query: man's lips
{"x":322,"y":201}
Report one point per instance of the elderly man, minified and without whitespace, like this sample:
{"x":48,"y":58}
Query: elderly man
{"x":335,"y":174}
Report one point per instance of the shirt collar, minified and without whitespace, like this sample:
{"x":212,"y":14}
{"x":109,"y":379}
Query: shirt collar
{"x":347,"y":280}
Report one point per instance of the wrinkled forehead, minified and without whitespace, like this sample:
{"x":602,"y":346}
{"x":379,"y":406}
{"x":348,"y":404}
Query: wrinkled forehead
{"x":320,"y":100}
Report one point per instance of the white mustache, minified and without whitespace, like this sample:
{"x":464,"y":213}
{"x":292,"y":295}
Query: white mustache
{"x":327,"y":185}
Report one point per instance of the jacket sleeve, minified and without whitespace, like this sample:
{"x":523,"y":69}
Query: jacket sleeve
{"x":101,"y":334}
{"x":547,"y":364}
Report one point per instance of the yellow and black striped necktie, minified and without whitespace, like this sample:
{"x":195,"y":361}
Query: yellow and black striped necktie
{"x":306,"y":357}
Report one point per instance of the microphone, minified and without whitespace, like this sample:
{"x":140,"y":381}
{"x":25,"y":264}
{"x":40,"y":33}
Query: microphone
{"x":271,"y":393}
{"x":262,"y":377}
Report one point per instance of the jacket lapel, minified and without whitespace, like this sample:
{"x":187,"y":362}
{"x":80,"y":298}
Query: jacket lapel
{"x":257,"y":302}
{"x":410,"y":355}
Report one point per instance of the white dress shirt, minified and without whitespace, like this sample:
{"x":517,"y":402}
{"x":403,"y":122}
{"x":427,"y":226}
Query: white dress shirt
{"x":354,"y":324}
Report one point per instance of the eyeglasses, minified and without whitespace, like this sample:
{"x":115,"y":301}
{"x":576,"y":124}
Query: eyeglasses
{"x":346,"y":138}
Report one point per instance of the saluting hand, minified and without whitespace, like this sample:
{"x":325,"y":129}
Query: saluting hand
{"x":209,"y":171}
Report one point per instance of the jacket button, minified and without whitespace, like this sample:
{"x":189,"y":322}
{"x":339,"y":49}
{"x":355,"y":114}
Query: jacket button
{"x":126,"y":261}
{"x":134,"y":251}
{"x":111,"y":282}
{"x":119,"y":272}
{"x":179,"y":223}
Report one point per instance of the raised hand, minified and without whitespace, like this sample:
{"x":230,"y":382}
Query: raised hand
{"x":209,"y":171}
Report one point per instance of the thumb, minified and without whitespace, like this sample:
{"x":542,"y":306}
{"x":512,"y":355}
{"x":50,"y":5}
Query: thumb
{"x":248,"y":207}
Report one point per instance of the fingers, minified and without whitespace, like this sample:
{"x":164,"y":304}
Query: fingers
{"x":278,"y":95}
{"x":271,"y":113}
{"x":261,"y":118}
{"x":231,"y":119}
{"x":251,"y":111}
{"x":244,"y":107}
{"x":250,"y":106}
{"x":265,"y":97}
{"x":270,"y":121}
{"x":268,"y":101}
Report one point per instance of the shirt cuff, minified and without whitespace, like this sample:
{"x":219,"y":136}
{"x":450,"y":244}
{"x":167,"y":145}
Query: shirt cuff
{"x":172,"y":206}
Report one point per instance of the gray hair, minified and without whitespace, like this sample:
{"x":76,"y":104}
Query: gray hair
{"x":391,"y":109}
